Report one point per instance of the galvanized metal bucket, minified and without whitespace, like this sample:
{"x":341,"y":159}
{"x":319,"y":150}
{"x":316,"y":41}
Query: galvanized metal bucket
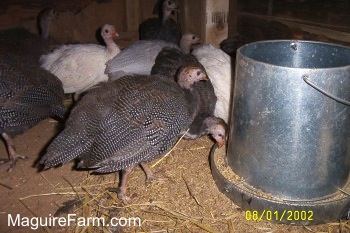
{"x":290,"y":121}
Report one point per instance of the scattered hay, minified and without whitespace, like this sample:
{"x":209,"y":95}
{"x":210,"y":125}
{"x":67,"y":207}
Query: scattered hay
{"x":188,"y":202}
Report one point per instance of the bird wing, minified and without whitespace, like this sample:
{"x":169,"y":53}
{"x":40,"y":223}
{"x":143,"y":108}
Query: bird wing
{"x":27,"y":95}
{"x":138,"y":124}
{"x":77,"y":66}
{"x":137,"y":58}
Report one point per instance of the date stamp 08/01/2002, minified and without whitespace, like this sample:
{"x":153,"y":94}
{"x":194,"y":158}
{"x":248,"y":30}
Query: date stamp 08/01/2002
{"x":279,"y":216}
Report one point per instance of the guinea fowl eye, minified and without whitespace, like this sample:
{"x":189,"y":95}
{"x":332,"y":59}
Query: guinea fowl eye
{"x":194,"y":37}
{"x":106,"y":31}
{"x":198,"y":73}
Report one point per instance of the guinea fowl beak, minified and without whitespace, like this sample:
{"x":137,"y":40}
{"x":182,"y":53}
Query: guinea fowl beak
{"x":221,"y":143}
{"x":115,"y":33}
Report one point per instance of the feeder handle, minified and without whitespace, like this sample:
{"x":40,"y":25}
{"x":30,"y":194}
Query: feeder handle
{"x":305,"y":78}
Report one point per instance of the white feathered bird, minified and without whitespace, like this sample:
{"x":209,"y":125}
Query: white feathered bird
{"x":81,"y":66}
{"x":218,"y":66}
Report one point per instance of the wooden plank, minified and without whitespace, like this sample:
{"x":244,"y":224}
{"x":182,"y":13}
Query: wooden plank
{"x":216,"y":23}
{"x":192,"y":16}
{"x":132,"y":14}
{"x":262,"y":27}
{"x":233,"y":18}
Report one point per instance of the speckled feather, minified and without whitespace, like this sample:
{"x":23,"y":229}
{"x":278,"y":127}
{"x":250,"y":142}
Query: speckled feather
{"x":122,"y":123}
{"x":167,"y":63}
{"x":27,"y":96}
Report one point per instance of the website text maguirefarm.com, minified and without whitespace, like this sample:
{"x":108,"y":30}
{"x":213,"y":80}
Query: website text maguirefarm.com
{"x":69,"y":220}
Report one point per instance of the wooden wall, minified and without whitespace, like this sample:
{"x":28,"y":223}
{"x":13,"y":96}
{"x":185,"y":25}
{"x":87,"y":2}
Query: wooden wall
{"x":326,"y":21}
{"x":79,"y":20}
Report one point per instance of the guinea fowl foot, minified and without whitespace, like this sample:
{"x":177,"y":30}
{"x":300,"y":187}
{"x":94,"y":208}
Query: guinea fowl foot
{"x":12,"y":161}
{"x":121,"y":190}
{"x":150,"y":176}
{"x":13,"y":156}
{"x":121,"y":194}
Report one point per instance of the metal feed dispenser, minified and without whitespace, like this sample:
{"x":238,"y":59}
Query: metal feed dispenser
{"x":289,"y":133}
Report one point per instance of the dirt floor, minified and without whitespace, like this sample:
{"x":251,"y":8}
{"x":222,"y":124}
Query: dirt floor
{"x":186,"y":200}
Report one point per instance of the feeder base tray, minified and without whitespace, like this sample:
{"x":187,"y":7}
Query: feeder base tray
{"x":264,"y":206}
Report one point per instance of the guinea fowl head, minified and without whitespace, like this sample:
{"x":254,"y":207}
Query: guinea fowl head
{"x":188,"y":75}
{"x":168,"y":7}
{"x":187,"y":41}
{"x":108,"y":31}
{"x":45,"y":18}
{"x":217,"y":128}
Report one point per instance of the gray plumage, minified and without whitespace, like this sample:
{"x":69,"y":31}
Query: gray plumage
{"x":231,"y":44}
{"x":167,"y":63}
{"x":27,"y":96}
{"x":19,"y":46}
{"x":132,"y":120}
{"x":139,"y":57}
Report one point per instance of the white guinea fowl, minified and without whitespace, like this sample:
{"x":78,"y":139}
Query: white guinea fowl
{"x":81,"y":66}
{"x":139,"y":57}
{"x":218,"y":66}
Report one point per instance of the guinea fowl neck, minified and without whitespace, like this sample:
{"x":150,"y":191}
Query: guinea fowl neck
{"x":185,"y":46}
{"x":45,"y":29}
{"x":111,"y":46}
{"x":166,"y":15}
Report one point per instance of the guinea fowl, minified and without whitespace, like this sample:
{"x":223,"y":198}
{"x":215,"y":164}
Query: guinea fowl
{"x":167,"y":63}
{"x":139,"y":57}
{"x":28,"y":95}
{"x":218,"y":67}
{"x":232,"y":43}
{"x":81,"y":66}
{"x":21,"y":46}
{"x":130,"y":121}
{"x":163,"y":27}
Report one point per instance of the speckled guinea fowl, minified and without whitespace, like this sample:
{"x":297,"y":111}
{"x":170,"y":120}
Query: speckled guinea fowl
{"x":163,"y":27}
{"x":27,"y":96}
{"x":138,"y":58}
{"x":126,"y":122}
{"x":21,"y":46}
{"x":232,"y":43}
{"x":167,"y":63}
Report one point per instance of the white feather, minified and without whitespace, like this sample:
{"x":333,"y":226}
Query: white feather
{"x":80,"y":66}
{"x":218,"y":66}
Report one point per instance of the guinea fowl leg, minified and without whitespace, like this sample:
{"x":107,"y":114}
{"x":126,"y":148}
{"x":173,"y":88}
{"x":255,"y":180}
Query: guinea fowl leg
{"x":121,"y":190}
{"x":13,"y":156}
{"x":150,"y":176}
